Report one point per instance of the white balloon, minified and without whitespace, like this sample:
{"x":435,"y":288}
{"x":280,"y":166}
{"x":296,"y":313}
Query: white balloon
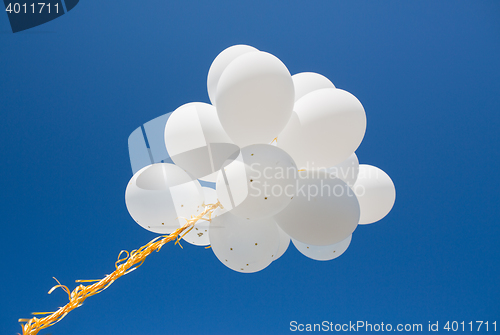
{"x":307,"y":82}
{"x":255,"y":97}
{"x":259,"y":183}
{"x":244,"y":245}
{"x":211,"y":178}
{"x":196,"y":141}
{"x":326,"y":127}
{"x":284,"y":243}
{"x":347,"y":170}
{"x":324,"y":211}
{"x":376,"y":193}
{"x":160,"y":196}
{"x":324,"y":252}
{"x":220,"y":63}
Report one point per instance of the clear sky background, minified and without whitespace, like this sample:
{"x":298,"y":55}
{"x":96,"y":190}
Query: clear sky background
{"x":72,"y":90}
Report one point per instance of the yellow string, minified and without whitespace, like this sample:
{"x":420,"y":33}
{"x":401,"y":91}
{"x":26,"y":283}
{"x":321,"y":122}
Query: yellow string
{"x":86,"y":280}
{"x":128,"y":264}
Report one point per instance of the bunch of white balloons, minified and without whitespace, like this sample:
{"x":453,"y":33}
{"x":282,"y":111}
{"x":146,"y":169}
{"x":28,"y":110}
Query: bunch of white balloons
{"x":280,"y":150}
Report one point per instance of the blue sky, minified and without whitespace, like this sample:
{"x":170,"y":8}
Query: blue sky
{"x":72,"y":90}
